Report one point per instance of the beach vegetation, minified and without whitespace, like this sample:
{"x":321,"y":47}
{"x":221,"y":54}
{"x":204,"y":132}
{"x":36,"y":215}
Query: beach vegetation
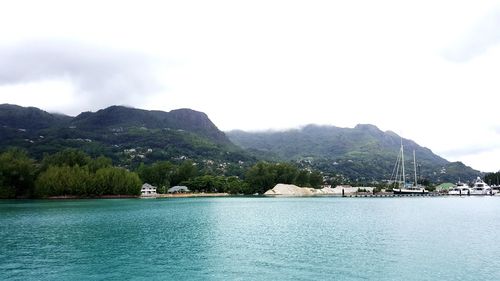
{"x":17,"y":174}
{"x":263,"y":176}
{"x":74,"y":173}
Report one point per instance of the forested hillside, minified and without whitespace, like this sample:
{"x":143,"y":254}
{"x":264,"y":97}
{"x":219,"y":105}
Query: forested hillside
{"x":363,"y":153}
{"x":128,"y":136}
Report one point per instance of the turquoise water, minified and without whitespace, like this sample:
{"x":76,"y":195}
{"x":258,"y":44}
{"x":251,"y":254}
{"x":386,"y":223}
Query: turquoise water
{"x":446,"y":238}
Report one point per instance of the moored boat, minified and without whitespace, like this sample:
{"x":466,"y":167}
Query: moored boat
{"x":459,"y":189}
{"x":410,"y":190}
{"x":481,"y":188}
{"x":399,"y":176}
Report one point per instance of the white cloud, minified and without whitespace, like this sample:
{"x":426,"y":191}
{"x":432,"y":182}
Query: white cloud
{"x":477,"y":40}
{"x":276,"y":64}
{"x":98,"y":77}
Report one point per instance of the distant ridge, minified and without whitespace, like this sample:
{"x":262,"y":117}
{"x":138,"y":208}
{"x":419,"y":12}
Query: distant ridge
{"x":361,"y":153}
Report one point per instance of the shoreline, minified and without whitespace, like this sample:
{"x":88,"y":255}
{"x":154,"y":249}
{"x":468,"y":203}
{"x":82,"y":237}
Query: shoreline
{"x":174,"y":195}
{"x":201,"y":194}
{"x":94,"y":197}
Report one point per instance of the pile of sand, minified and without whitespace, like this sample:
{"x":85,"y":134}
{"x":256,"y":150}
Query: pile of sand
{"x":293,"y":190}
{"x":290,"y":190}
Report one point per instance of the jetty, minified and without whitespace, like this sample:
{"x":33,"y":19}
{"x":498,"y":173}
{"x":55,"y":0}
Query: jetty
{"x":290,"y":190}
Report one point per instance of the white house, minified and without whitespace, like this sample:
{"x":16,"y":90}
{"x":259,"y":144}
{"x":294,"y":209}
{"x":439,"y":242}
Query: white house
{"x":148,"y":190}
{"x":178,"y":189}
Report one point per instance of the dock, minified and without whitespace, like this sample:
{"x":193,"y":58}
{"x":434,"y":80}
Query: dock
{"x":388,"y":194}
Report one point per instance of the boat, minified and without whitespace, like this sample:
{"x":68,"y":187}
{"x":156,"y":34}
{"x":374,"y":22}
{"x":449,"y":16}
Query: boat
{"x":496,"y":189}
{"x":399,"y":177}
{"x":481,"y":188}
{"x":460,"y":189}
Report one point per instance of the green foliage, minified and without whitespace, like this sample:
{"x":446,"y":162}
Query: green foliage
{"x":234,"y":185}
{"x":359,"y":155}
{"x":430,"y":188}
{"x":185,"y":171}
{"x":302,"y":178}
{"x":285,"y":173}
{"x":206,"y":183}
{"x":209,"y":183}
{"x":99,"y":163}
{"x":72,"y":172}
{"x":79,"y":181}
{"x":67,"y":157}
{"x":363,"y":154}
{"x":492,"y":178}
{"x":17,"y":174}
{"x":154,"y":135}
{"x":158,"y":174}
{"x":263,"y":176}
{"x":315,"y":179}
{"x":117,"y":181}
{"x":64,"y":180}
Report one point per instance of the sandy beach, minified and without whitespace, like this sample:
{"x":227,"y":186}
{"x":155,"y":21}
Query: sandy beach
{"x":202,"y":194}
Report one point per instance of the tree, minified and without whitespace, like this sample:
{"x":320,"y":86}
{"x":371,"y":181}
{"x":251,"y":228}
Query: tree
{"x":79,"y":181}
{"x":65,"y":180}
{"x":158,"y":174}
{"x":315,"y":179}
{"x":492,"y":178}
{"x":17,"y":174}
{"x":68,"y":157}
{"x":99,"y":163}
{"x":209,"y":183}
{"x":186,"y":171}
{"x":285,"y":173}
{"x":261,"y":177}
{"x":234,"y":185}
{"x":117,"y":181}
{"x":302,"y":178}
{"x":206,"y":183}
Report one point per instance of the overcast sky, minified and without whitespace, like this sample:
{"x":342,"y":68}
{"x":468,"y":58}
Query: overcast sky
{"x":427,"y":70}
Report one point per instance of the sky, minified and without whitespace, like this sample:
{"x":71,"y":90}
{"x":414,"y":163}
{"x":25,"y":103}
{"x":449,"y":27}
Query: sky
{"x":427,"y":70}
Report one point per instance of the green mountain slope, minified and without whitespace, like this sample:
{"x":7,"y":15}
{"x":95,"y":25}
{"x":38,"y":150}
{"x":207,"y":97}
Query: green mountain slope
{"x":127,"y":135}
{"x":363,"y":153}
{"x":130,"y":136}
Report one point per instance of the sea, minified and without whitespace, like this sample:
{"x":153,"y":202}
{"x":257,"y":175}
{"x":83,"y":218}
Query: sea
{"x":251,"y":238}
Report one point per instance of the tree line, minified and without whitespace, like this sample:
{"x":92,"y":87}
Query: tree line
{"x":492,"y":178}
{"x":72,"y":172}
{"x":66,"y":173}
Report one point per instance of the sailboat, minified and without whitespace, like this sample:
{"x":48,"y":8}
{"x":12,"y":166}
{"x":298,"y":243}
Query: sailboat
{"x":399,"y":177}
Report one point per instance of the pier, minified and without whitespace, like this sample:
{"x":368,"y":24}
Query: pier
{"x":433,"y":194}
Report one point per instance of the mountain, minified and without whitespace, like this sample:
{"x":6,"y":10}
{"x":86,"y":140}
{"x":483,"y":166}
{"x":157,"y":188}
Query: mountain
{"x":130,"y":136}
{"x":364,"y":153}
{"x":179,"y":119}
{"x":29,"y":118}
{"x":127,"y":135}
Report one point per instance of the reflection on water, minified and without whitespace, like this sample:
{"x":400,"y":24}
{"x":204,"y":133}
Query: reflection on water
{"x":251,"y":239}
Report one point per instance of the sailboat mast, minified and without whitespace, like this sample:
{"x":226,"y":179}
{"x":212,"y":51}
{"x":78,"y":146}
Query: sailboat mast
{"x":403,"y":163}
{"x":415,"y":167}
